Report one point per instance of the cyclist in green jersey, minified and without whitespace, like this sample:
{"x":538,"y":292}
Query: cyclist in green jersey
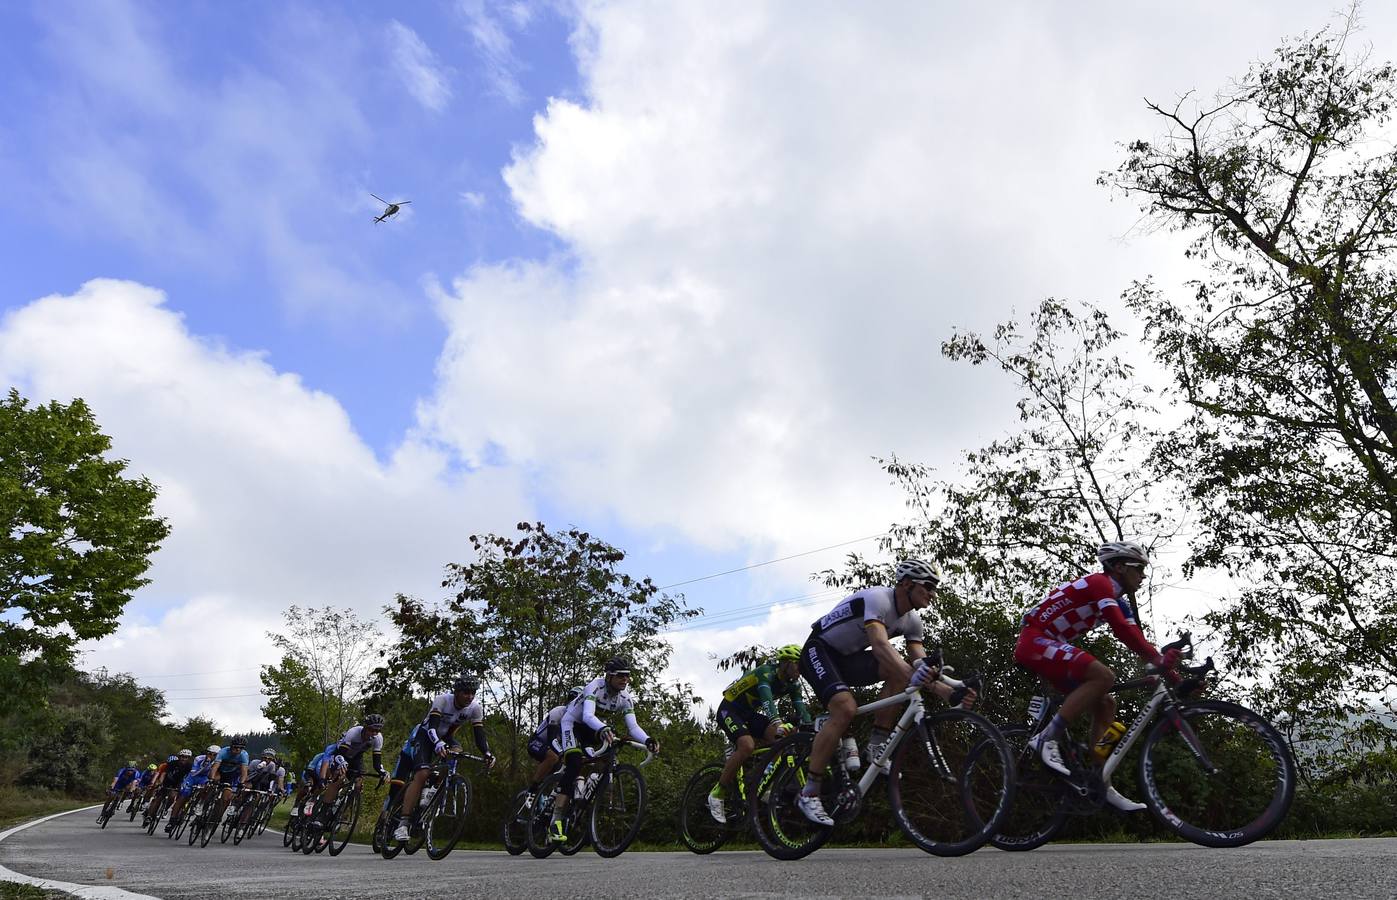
{"x":748,"y":714}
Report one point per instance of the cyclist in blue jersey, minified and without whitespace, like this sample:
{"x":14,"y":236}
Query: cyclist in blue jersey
{"x":126,"y":778}
{"x":198,"y":776}
{"x":230,"y":770}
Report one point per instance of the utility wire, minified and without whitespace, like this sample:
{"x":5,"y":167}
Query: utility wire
{"x":769,"y":562}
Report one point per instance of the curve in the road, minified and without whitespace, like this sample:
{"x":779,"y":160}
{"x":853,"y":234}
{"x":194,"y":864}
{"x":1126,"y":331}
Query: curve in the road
{"x":92,"y":891}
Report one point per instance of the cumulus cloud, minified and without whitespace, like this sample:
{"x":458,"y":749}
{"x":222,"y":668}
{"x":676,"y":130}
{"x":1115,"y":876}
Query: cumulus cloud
{"x":426,"y":79}
{"x":272,"y":497}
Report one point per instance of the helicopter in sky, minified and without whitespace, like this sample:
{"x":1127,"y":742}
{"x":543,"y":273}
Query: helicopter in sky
{"x":392,"y":209}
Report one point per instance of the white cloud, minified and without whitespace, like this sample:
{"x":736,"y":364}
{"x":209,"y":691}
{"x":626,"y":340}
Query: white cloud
{"x":492,"y":40}
{"x":271,"y":496}
{"x":426,"y":79}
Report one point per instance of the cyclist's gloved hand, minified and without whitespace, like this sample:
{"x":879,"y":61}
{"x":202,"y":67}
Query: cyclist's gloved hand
{"x":784,"y":728}
{"x":652,"y":745}
{"x":608,"y":737}
{"x":922,"y":672}
{"x":1170,"y":658}
{"x":489,"y":761}
{"x":441,"y":748}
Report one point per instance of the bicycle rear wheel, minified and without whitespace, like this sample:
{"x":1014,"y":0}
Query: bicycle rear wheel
{"x":777,"y":822}
{"x":537,"y":838}
{"x":699,"y":831}
{"x":1039,"y":811}
{"x":514,"y":829}
{"x":346,"y":817}
{"x":1218,"y":775}
{"x":445,"y":822}
{"x":618,"y":806}
{"x":951,"y":782}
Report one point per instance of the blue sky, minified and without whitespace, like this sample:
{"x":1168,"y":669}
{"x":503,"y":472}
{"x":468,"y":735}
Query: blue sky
{"x":674,"y":273}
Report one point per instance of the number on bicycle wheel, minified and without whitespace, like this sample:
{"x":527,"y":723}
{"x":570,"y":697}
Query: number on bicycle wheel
{"x":1223,"y":779}
{"x":617,"y":809}
{"x":699,"y":831}
{"x":1039,"y":811}
{"x":540,"y":819}
{"x":777,"y":822}
{"x":945,"y":804}
{"x":446,"y":820}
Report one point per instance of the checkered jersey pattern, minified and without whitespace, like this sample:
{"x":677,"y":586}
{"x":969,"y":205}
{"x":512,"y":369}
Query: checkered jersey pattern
{"x":1077,"y":607}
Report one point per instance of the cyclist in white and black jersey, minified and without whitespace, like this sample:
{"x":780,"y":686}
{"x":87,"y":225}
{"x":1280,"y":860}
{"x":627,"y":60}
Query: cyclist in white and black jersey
{"x":851,"y":646}
{"x":433,"y":737}
{"x":364,"y":737}
{"x":581,"y":727}
{"x":546,"y":743}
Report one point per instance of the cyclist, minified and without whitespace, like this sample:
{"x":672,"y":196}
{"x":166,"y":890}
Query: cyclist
{"x":1044,"y":648}
{"x":546,"y":746}
{"x":197,"y":777}
{"x":748,"y":714}
{"x":145,"y":783}
{"x":581,"y":726}
{"x":319,"y":773}
{"x":368,"y":735}
{"x":264,"y":775}
{"x":176,"y":767}
{"x":230,"y":770}
{"x":852,"y":647}
{"x":126,"y":780}
{"x":433,"y":737}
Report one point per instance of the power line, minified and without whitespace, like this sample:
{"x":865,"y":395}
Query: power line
{"x":221,"y":697}
{"x":210,"y":672}
{"x":737,"y":615}
{"x":769,"y":562}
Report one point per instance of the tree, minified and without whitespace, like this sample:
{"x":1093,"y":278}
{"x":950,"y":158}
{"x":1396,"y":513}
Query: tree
{"x":1029,"y":510}
{"x":76,"y":540}
{"x":536,"y":615}
{"x":315,"y":693}
{"x":1285,"y":351}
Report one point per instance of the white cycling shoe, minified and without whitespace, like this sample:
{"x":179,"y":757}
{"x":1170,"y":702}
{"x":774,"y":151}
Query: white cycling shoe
{"x":1121,"y":802}
{"x":813,"y":809}
{"x":715,"y":809}
{"x":1051,"y":755}
{"x":401,"y":834}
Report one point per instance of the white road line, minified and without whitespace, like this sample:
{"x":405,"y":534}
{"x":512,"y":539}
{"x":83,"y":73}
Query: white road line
{"x":93,"y":891}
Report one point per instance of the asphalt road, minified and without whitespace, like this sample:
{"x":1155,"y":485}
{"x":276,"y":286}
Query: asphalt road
{"x":72,"y":848}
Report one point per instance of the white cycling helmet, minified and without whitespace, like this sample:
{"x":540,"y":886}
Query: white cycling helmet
{"x":1126,"y":550}
{"x":928,"y":573}
{"x":185,"y":754}
{"x":212,"y":748}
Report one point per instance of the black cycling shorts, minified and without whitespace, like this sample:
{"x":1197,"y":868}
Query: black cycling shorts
{"x":545,"y":739}
{"x":737,"y":719}
{"x":828,"y":672}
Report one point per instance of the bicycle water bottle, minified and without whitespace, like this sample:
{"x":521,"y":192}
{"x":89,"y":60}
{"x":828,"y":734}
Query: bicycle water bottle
{"x":427,"y":794}
{"x":849,"y":751}
{"x":1036,"y":707}
{"x":1109,"y":740}
{"x":591,"y":784}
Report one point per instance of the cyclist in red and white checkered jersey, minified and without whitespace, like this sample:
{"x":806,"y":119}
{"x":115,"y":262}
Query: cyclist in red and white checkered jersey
{"x":1045,"y":648}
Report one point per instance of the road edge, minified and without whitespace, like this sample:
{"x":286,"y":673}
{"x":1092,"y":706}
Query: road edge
{"x":91,"y":891}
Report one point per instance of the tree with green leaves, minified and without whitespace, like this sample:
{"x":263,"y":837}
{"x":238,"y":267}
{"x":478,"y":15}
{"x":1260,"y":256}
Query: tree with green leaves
{"x":535,"y":615}
{"x":316,"y":692}
{"x":76,"y":540}
{"x":1285,"y":351}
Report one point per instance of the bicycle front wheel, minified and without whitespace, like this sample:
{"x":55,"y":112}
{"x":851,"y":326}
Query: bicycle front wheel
{"x":346,"y":817}
{"x":1217,"y":774}
{"x":445,"y":822}
{"x":537,"y":838}
{"x":514,"y":831}
{"x":699,"y":831}
{"x":951,"y":782}
{"x":780,"y":827}
{"x":617,"y":809}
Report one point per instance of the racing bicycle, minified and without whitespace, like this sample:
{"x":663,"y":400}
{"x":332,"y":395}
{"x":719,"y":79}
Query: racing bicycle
{"x":607,"y":805}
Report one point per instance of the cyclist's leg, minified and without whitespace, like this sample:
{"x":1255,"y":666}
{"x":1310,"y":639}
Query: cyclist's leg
{"x":1102,"y":715}
{"x":740,"y":735}
{"x":820,"y":667}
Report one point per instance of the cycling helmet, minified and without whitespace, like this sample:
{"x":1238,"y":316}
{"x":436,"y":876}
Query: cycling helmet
{"x":1122,"y":550}
{"x":152,"y":767}
{"x":618,"y":665}
{"x":373,"y":720}
{"x":269,"y":752}
{"x":338,"y":763}
{"x":185,"y":754}
{"x":237,"y":743}
{"x":172,"y":758}
{"x":921,"y":571}
{"x":213,"y":748}
{"x":466,"y":685}
{"x":130,"y":764}
{"x":574,"y":693}
{"x":790,"y":651}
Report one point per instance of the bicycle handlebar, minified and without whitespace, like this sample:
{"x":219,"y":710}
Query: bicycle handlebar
{"x":593,"y":752}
